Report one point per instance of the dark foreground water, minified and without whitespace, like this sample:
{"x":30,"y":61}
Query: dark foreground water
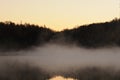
{"x":43,"y":63}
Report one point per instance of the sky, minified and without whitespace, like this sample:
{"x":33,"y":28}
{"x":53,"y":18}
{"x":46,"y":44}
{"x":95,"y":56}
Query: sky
{"x":59,"y":14}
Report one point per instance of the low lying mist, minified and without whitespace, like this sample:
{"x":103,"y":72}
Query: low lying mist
{"x":52,"y":57}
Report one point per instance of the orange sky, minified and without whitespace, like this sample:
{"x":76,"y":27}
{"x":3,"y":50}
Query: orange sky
{"x":58,"y":14}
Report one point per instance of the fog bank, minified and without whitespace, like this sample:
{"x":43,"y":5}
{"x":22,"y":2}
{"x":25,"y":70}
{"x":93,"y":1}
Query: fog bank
{"x":57,"y":57}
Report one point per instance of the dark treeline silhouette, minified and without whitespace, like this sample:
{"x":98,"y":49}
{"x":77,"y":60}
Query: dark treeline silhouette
{"x":22,"y":36}
{"x":92,"y":36}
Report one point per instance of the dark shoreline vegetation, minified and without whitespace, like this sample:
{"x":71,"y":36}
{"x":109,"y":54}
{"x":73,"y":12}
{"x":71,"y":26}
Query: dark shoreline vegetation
{"x":23,"y":36}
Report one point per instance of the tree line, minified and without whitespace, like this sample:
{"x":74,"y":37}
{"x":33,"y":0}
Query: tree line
{"x":22,"y":36}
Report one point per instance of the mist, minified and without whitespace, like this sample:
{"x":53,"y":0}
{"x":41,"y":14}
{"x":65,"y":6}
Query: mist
{"x":53,"y":57}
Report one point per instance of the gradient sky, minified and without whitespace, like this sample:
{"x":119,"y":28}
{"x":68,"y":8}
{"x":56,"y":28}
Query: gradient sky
{"x":58,"y":14}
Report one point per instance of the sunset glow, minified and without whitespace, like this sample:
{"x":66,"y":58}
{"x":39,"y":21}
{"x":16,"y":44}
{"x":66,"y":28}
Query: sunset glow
{"x":58,"y":14}
{"x":62,"y":78}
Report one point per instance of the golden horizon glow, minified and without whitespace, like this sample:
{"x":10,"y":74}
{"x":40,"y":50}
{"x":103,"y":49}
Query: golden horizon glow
{"x":59,"y":14}
{"x":62,"y":78}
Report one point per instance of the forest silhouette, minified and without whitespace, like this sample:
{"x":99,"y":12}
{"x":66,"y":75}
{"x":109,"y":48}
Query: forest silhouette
{"x":22,"y":36}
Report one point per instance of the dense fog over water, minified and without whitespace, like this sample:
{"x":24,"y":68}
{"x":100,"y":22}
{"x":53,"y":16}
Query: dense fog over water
{"x":58,"y":57}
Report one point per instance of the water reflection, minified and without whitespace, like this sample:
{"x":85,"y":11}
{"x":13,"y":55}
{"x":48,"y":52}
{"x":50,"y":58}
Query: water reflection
{"x":61,"y":78}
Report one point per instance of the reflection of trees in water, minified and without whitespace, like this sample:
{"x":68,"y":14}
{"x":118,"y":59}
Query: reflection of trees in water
{"x":21,"y":71}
